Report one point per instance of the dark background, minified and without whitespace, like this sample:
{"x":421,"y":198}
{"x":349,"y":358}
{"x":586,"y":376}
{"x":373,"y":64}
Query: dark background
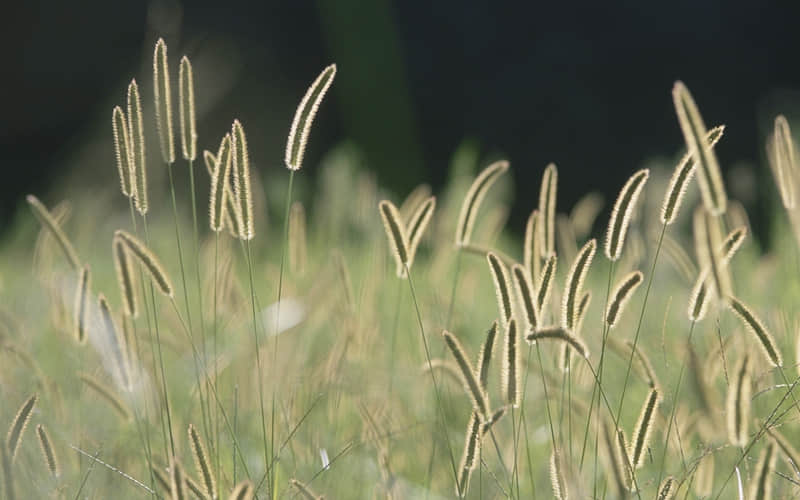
{"x":586,"y":85}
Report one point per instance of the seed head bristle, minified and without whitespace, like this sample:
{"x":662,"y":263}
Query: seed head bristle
{"x":240,"y":164}
{"x":138,"y":159}
{"x":201,"y":462}
{"x":623,"y":212}
{"x":163,"y":101}
{"x":48,"y":452}
{"x":395,"y":232}
{"x":624,"y":459}
{"x":574,"y":284}
{"x":545,"y":283}
{"x":511,"y":374}
{"x":526,"y":296}
{"x":559,"y":333}
{"x":304,"y":117}
{"x":177,"y":480}
{"x":694,"y":133}
{"x":472,"y":385}
{"x":547,"y":209}
{"x":738,"y":404}
{"x":125,"y":279}
{"x":115,"y":343}
{"x":620,"y":296}
{"x":108,"y":394}
{"x":417,"y":224}
{"x":122,"y":151}
{"x":761,"y":486}
{"x":220,"y":177}
{"x":82,"y":304}
{"x":667,"y":488}
{"x":147,"y":259}
{"x":187,"y":110}
{"x":643,"y":429}
{"x":472,"y":201}
{"x":681,"y":177}
{"x":755,"y":325}
{"x":469,"y":458}
{"x":531,"y":252}
{"x":18,"y":425}
{"x":48,"y":222}
{"x":242,"y":491}
{"x":297,"y":238}
{"x":502,"y":286}
{"x":485,"y":356}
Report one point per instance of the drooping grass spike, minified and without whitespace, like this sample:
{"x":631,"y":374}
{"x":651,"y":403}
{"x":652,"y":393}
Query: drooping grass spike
{"x":48,"y":452}
{"x":18,"y":425}
{"x":694,"y":133}
{"x":126,"y":279}
{"x":623,"y":291}
{"x":574,"y":284}
{"x":148,"y":261}
{"x":623,"y":212}
{"x":472,"y":201}
{"x":738,"y":404}
{"x":502,"y":286}
{"x":304,"y":117}
{"x":472,"y":385}
{"x":681,"y":177}
{"x":47,"y":221}
{"x":417,"y":224}
{"x":752,"y":323}
{"x":526,"y":295}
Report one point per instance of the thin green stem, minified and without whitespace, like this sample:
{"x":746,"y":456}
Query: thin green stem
{"x":433,"y":375}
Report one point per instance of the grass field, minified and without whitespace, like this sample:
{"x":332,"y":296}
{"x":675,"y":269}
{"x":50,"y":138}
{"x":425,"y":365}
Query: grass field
{"x":257,"y":334}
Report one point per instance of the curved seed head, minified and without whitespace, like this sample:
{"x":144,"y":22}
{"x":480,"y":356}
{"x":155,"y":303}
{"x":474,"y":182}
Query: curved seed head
{"x":623,"y":212}
{"x":472,"y":201}
{"x":547,"y":209}
{"x":122,"y":151}
{"x":304,"y":117}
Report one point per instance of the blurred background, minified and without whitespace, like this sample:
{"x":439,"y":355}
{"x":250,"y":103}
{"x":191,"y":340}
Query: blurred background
{"x":583,"y":84}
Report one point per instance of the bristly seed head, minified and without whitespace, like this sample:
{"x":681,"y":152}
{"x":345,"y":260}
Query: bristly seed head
{"x":623,"y":212}
{"x":472,"y":201}
{"x":187,"y":110}
{"x":304,"y":117}
{"x":163,"y":101}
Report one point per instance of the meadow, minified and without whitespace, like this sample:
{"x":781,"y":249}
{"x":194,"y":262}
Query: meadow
{"x":239,"y":333}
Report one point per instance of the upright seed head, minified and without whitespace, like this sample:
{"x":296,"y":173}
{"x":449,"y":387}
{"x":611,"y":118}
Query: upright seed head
{"x":126,"y":279}
{"x":82,"y":304}
{"x":417,"y":224}
{"x":469,"y":457}
{"x":187,"y":110}
{"x":526,"y":296}
{"x":531,"y":253}
{"x":472,"y":201}
{"x":694,"y":133}
{"x":623,"y":212}
{"x":574,"y":284}
{"x":472,"y":385}
{"x":502,"y":286}
{"x":761,"y":487}
{"x":122,"y":151}
{"x":218,"y":207}
{"x":738,"y":404}
{"x":557,"y":476}
{"x":395,"y":232}
{"x":240,"y":164}
{"x":163,"y":101}
{"x":485,"y":356}
{"x":643,"y":429}
{"x":138,"y":171}
{"x":511,"y":374}
{"x":202,"y":463}
{"x":545,"y":283}
{"x":304,"y":117}
{"x":781,"y":152}
{"x":547,"y":209}
{"x":48,"y":452}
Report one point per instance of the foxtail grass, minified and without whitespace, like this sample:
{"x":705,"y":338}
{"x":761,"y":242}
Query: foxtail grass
{"x":17,"y":428}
